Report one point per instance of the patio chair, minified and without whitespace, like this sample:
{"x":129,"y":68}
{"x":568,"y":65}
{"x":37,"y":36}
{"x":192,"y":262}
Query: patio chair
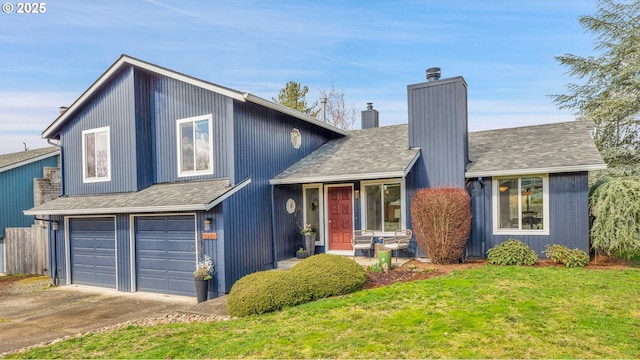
{"x":362,"y":240}
{"x":400,"y":240}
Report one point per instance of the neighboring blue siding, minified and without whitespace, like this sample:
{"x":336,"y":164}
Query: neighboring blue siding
{"x":16,"y":192}
{"x":568,"y":216}
{"x":438,"y":126}
{"x":262,"y":150}
{"x":113,"y":106}
{"x":172,"y":100}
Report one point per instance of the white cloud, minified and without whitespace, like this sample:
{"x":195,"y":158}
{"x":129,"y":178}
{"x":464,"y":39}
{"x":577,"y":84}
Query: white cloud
{"x":24,"y":115}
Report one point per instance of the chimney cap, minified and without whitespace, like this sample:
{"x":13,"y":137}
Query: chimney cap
{"x":433,"y":73}
{"x":369,"y":106}
{"x":62,"y":109}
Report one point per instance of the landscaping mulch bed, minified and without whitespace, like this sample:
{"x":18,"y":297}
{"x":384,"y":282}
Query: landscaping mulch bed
{"x":417,"y":270}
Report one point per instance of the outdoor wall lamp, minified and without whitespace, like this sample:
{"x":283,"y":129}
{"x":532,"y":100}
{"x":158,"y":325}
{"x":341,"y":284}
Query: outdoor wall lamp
{"x":207,"y":224}
{"x":54,"y":225}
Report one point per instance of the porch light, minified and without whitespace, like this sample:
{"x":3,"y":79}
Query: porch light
{"x":54,"y":225}
{"x":207,"y":224}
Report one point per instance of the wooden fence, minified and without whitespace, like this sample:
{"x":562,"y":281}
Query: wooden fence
{"x":26,"y":250}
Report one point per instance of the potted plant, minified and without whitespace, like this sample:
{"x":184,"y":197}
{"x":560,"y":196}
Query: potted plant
{"x":309,"y":233}
{"x":201,"y":276}
{"x":301,"y":253}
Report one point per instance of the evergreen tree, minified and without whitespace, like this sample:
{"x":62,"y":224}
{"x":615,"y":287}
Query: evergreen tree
{"x":294,"y":96}
{"x":610,"y":95}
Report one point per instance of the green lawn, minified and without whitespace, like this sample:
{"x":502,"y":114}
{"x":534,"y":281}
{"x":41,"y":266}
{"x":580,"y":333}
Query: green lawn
{"x":489,"y":312}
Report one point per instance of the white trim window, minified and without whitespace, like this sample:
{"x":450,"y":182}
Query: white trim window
{"x":195,"y":145}
{"x":521,"y":205}
{"x":383,"y":206}
{"x":96,"y":155}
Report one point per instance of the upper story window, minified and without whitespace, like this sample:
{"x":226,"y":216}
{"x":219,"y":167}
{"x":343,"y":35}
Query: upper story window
{"x":521,"y":205}
{"x":195,"y":146}
{"x":383,"y":206}
{"x":96,"y":155}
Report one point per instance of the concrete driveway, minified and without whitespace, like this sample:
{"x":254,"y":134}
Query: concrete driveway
{"x":32,"y":318}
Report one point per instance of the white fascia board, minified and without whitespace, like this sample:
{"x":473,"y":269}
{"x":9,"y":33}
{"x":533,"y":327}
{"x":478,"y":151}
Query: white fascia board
{"x":124,"y":59}
{"x":283,"y":109}
{"x":334,"y":178}
{"x":228,"y":194}
{"x":549,"y":170}
{"x":29,"y":161}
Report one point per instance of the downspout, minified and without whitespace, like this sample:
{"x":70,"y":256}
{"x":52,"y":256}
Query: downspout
{"x":273,"y":227}
{"x":61,"y":166}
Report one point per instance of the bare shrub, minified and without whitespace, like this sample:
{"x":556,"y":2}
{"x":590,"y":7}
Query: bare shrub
{"x":441,"y":219}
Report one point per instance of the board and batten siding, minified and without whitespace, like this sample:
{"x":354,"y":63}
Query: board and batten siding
{"x":113,"y":106}
{"x":262,"y":149}
{"x":171,"y":100}
{"x":16,"y":192}
{"x":438,"y":126}
{"x":568,"y":216}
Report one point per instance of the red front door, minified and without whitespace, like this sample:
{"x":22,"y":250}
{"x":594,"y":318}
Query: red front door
{"x":340,"y":218}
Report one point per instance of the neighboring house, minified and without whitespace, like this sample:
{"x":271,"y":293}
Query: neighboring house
{"x":160,"y":168}
{"x":17,"y":174}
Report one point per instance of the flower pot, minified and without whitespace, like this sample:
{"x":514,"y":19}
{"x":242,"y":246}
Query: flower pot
{"x":310,"y":244}
{"x":202,"y":289}
{"x":302,"y":254}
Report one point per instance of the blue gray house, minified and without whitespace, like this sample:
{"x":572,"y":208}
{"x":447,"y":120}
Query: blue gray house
{"x":17,"y":174}
{"x":160,"y":168}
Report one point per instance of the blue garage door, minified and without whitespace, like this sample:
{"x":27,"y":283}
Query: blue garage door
{"x":165,"y":254}
{"x":93,"y":251}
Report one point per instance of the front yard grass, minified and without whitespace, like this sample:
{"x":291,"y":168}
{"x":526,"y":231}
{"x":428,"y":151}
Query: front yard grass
{"x":488,"y":312}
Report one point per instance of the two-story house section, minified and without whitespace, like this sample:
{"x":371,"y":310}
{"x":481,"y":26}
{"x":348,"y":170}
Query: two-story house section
{"x":159,"y":168}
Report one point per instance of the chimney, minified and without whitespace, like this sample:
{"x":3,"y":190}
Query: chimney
{"x":438,"y":126}
{"x":370,"y":117}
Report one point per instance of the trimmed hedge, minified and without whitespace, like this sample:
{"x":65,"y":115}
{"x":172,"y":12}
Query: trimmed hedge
{"x":563,"y":255}
{"x":512,"y":252}
{"x":316,"y":277}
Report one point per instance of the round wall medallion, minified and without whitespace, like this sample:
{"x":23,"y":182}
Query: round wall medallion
{"x":291,"y":206}
{"x":296,"y":138}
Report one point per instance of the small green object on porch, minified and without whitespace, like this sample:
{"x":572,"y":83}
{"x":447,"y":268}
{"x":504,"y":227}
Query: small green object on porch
{"x":384,"y":257}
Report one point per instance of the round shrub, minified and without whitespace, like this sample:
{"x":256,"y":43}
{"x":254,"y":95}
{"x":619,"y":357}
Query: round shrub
{"x":314,"y":278}
{"x":260,"y":293}
{"x":563,"y":255}
{"x":512,"y":252}
{"x":325,"y":275}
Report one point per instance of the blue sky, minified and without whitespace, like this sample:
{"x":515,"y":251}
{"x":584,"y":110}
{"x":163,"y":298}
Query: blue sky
{"x":370,"y":49}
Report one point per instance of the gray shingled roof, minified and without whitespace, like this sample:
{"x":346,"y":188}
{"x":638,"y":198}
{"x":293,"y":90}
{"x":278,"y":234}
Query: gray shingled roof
{"x":548,"y":148}
{"x":375,"y":153}
{"x":179,"y":196}
{"x":10,"y":161}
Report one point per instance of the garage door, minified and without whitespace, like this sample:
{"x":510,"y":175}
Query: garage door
{"x":93,"y":251}
{"x":165,"y":254}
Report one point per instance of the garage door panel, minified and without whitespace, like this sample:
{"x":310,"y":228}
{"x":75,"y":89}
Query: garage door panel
{"x":165,"y":254}
{"x":92,"y":246}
